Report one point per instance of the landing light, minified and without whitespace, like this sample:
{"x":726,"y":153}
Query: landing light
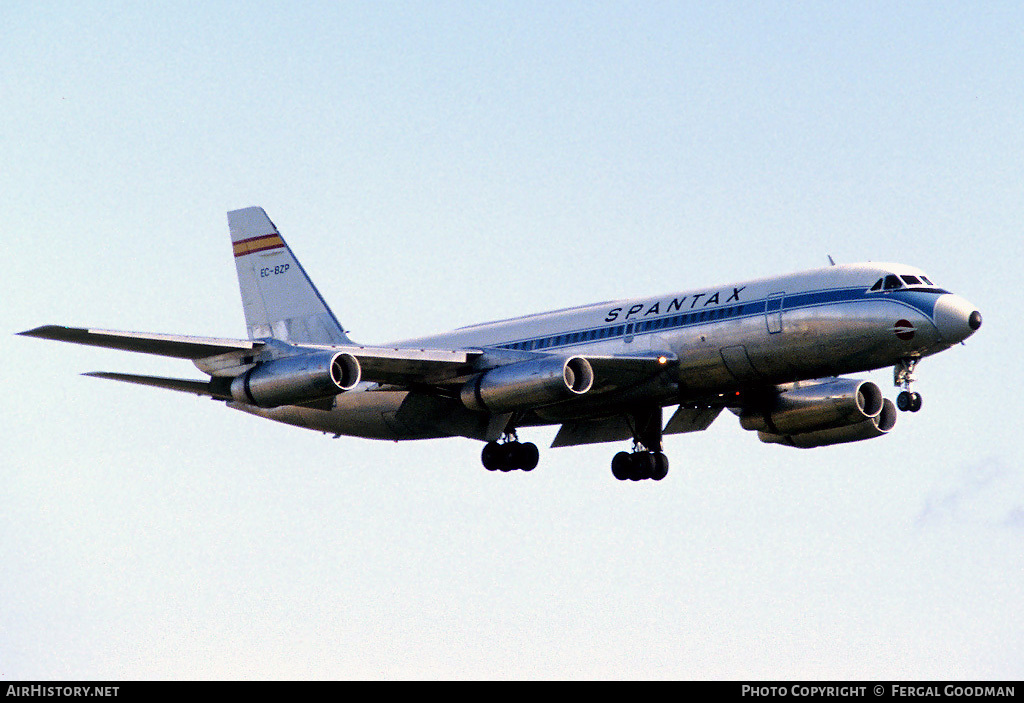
{"x":662,"y":360}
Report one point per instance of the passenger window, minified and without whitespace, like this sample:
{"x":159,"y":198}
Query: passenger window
{"x":892,"y":282}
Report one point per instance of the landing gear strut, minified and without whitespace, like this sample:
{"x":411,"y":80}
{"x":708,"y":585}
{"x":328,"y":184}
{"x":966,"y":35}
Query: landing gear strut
{"x":510,"y":455}
{"x":647,"y":459}
{"x":903,"y":376}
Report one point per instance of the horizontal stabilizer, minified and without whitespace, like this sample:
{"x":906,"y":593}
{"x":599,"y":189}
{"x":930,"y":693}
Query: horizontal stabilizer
{"x":217,"y":388}
{"x":174,"y":345}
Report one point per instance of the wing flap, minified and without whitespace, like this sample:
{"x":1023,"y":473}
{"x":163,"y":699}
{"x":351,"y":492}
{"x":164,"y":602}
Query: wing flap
{"x":617,"y":428}
{"x":691,"y":420}
{"x":406,"y":365}
{"x":576,"y":432}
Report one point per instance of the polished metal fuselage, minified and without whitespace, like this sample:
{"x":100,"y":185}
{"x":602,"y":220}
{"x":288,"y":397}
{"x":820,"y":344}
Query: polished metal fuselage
{"x":750,"y":335}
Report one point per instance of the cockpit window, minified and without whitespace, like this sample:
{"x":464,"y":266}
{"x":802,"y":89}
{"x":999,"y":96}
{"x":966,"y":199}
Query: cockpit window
{"x":919,"y":283}
{"x":892,"y":282}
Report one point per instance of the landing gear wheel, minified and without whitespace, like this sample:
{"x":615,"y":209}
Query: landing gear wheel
{"x":510,"y":456}
{"x":643,"y":466}
{"x":908,"y":402}
{"x":639,"y":466}
{"x":903,"y":401}
{"x":660,"y":470}
{"x":621,"y":465}
{"x":492,"y":456}
{"x":529,"y":456}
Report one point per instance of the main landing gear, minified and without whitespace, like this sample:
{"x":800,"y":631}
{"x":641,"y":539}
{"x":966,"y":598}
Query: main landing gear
{"x":510,"y":455}
{"x":903,"y":376}
{"x":647,"y":461}
{"x":640,"y":465}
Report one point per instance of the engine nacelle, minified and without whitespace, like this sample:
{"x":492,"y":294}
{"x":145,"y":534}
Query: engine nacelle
{"x":297,"y":379}
{"x":528,"y":384}
{"x":822,"y":406}
{"x":867,"y":429}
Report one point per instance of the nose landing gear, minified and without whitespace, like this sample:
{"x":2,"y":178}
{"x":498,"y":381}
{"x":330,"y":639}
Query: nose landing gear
{"x":903,"y":376}
{"x":907,"y":401}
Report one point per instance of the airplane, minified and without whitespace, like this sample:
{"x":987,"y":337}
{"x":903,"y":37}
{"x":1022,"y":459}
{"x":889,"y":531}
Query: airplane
{"x":772,"y":351}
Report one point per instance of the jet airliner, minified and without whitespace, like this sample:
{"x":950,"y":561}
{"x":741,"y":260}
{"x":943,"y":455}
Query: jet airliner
{"x":772,"y":351}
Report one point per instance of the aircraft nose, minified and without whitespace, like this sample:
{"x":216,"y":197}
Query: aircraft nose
{"x":955,"y":318}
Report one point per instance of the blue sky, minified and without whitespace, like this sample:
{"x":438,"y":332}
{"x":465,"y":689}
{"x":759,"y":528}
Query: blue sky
{"x":438,"y":164}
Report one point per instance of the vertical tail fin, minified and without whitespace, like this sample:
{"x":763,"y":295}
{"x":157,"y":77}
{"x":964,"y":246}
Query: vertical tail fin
{"x":279,"y":299}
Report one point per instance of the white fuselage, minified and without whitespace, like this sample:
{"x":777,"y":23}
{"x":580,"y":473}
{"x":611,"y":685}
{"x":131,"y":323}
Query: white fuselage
{"x":726,"y":338}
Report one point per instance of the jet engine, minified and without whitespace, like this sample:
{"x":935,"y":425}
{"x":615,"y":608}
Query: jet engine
{"x":292,"y":380}
{"x":528,"y":384}
{"x":830,"y":412}
{"x":866,"y":429}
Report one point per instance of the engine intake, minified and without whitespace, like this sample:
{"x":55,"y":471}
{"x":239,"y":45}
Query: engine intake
{"x":822,"y":406}
{"x":297,"y":379}
{"x":528,"y":384}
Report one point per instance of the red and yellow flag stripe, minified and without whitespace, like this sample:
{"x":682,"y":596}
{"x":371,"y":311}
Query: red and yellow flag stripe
{"x":255,"y":244}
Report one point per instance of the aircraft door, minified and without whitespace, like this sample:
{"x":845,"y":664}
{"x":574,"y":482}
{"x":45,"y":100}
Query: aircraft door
{"x":773,"y":313}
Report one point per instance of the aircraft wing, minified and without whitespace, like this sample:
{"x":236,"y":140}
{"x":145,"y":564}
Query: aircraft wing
{"x":616,"y":428}
{"x":402,"y":365}
{"x":621,"y":371}
{"x":378,"y":364}
{"x":691,"y":419}
{"x":175,"y":345}
{"x":576,"y":432}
